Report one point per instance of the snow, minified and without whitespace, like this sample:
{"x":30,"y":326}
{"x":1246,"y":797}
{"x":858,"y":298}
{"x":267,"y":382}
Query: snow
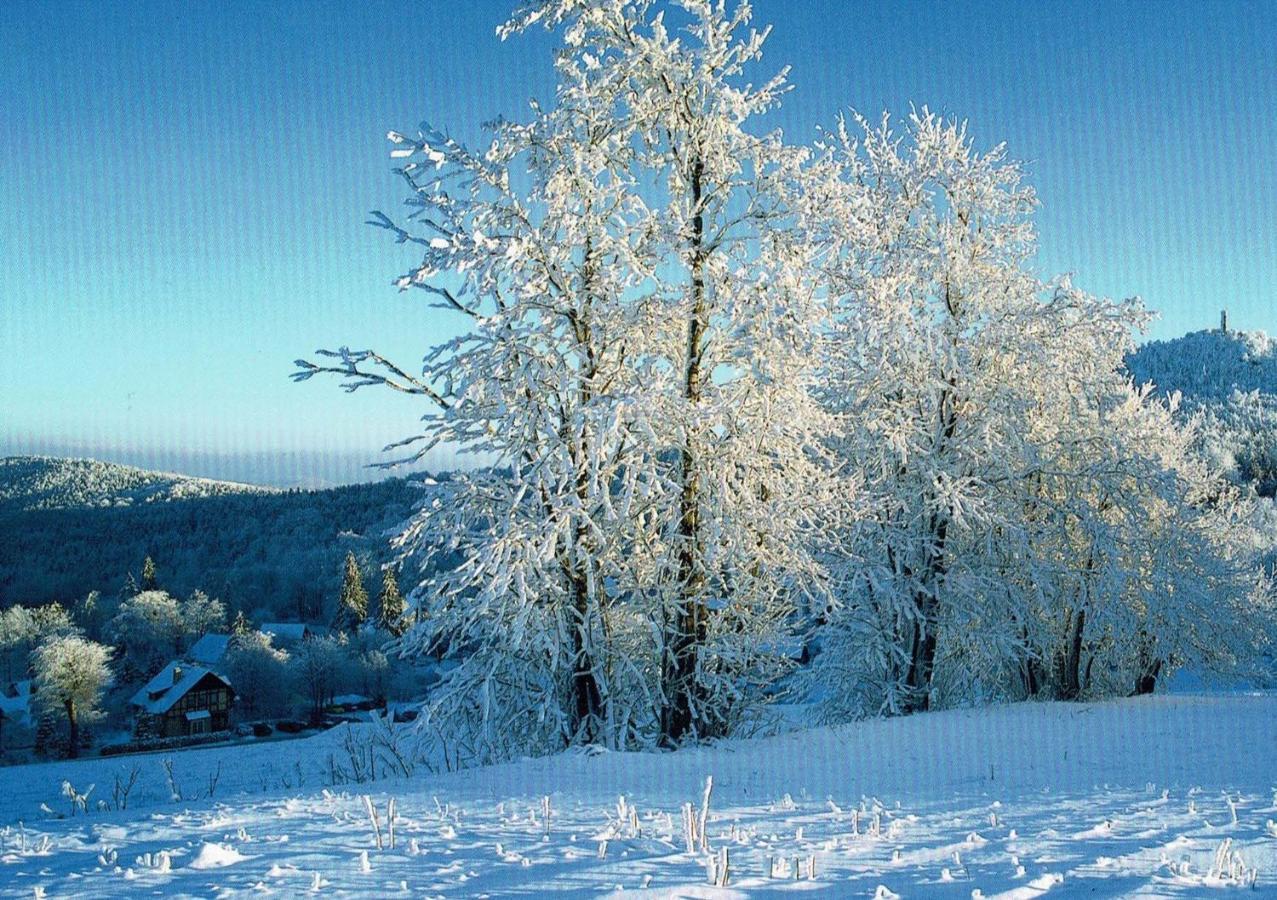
{"x":209,"y":649}
{"x":287,"y":632}
{"x":168,"y":686}
{"x":1163,"y":795}
{"x":18,"y":707}
{"x":215,"y":856}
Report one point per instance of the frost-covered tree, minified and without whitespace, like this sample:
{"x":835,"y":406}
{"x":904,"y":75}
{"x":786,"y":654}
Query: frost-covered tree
{"x":17,"y":635}
{"x":317,"y":665}
{"x":149,"y":582}
{"x":1028,"y":515}
{"x":71,"y":673}
{"x":1141,"y":557}
{"x":21,"y":628}
{"x":639,"y":366}
{"x":153,"y":627}
{"x":733,"y":325}
{"x":259,"y":672}
{"x":391,"y":607}
{"x":352,"y":604}
{"x":200,"y":614}
{"x":150,"y":630}
{"x":532,"y":246}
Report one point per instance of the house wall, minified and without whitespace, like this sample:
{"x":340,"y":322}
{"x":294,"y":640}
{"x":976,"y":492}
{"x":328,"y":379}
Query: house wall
{"x":209,"y":693}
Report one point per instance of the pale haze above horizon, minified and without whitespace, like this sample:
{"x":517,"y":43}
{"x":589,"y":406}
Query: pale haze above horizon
{"x":183,"y":190}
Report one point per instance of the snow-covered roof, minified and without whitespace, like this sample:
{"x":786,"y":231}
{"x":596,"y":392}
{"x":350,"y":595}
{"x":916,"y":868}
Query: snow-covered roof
{"x":169,"y":685}
{"x":18,"y":706}
{"x":287,"y":631}
{"x":209,"y":649}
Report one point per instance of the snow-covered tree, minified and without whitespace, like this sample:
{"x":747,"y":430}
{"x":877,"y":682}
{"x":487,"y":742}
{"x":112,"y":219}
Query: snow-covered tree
{"x":21,"y":628}
{"x":154,"y":627}
{"x":17,"y":634}
{"x":352,"y":604}
{"x":149,"y":629}
{"x":1028,"y":515}
{"x":532,"y":245}
{"x":71,"y":673}
{"x":201,"y":614}
{"x":149,"y":582}
{"x":639,"y":367}
{"x":391,"y":607}
{"x":733,"y":320}
{"x":259,"y":672}
{"x":317,"y":665}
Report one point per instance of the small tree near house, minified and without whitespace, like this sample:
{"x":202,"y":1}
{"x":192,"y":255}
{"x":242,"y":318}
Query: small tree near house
{"x":71,"y":674}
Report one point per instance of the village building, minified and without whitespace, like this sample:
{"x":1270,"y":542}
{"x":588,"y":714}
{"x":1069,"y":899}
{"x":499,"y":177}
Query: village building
{"x":210,"y":651}
{"x":182,"y":699}
{"x":289,"y":634}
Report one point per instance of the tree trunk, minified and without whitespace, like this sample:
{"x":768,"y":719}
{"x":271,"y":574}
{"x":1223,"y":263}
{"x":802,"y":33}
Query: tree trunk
{"x":74,"y":722}
{"x":681,"y":700}
{"x":587,"y":700}
{"x":1071,"y":683}
{"x":1147,"y":680}
{"x":926,"y":624}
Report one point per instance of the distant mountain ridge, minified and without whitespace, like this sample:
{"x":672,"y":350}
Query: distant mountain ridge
{"x":70,"y":526}
{"x":1209,"y":365}
{"x":1229,"y":378}
{"x":46,"y":482}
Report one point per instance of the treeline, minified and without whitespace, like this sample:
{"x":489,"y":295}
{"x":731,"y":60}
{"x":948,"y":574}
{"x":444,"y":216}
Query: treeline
{"x":1229,"y":379}
{"x":277,"y":553}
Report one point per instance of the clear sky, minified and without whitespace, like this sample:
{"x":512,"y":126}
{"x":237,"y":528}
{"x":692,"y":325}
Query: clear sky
{"x":183,"y":188}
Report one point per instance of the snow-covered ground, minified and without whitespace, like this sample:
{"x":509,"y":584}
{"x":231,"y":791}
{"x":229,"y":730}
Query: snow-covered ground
{"x":1159,"y":796}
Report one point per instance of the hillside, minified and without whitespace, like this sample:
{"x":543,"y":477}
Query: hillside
{"x":1230,"y":379}
{"x":1007,"y":801}
{"x":68,"y":527}
{"x":43,"y":482}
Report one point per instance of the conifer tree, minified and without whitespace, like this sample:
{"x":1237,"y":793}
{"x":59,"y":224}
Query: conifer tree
{"x":240,"y":626}
{"x":352,"y":606}
{"x":148,"y":575}
{"x":390,"y":604}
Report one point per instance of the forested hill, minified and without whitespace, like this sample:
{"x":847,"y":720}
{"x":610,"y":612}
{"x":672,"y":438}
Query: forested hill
{"x":71,"y":526}
{"x":44,"y":482}
{"x":1230,"y":377}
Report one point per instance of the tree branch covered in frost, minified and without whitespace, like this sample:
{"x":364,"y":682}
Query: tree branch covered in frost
{"x":738,"y":390}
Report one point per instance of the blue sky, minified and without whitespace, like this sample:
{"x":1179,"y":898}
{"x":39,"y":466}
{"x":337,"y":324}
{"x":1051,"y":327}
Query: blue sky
{"x":183,"y":188}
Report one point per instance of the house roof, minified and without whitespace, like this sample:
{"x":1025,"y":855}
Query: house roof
{"x":17,"y":707}
{"x":159,"y":694}
{"x":209,"y":649}
{"x":288,"y":631}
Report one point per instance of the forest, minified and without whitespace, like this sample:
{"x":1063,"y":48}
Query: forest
{"x":66,"y":530}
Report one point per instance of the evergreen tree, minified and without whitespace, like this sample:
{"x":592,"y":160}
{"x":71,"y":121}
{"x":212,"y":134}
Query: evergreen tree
{"x":148,"y":575}
{"x":390,"y":604}
{"x":352,"y":606}
{"x":240,"y":626}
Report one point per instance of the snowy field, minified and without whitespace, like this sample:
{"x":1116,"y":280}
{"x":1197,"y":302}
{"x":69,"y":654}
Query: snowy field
{"x":1163,"y":796}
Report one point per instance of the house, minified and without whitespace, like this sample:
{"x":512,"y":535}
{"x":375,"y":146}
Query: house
{"x":183,"y":699}
{"x":288,"y":634}
{"x":209,"y":650}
